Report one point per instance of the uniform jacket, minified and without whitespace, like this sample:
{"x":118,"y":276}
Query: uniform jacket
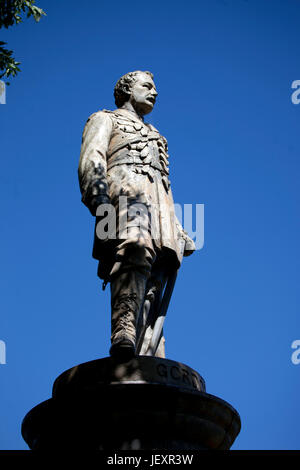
{"x":123,"y":156}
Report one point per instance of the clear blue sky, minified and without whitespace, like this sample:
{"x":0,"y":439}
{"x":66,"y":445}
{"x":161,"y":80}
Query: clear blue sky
{"x":223,"y":70}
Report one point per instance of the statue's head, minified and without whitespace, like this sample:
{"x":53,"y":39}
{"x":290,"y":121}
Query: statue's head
{"x":138,"y":88}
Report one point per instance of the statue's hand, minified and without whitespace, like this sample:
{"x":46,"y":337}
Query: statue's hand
{"x":189,"y":245}
{"x":105,"y":219}
{"x":96,"y":201}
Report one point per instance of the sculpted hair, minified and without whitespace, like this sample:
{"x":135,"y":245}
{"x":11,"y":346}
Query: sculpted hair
{"x":123,"y":85}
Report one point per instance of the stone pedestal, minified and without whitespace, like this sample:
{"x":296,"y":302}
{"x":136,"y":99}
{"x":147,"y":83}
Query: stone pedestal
{"x":146,"y":403}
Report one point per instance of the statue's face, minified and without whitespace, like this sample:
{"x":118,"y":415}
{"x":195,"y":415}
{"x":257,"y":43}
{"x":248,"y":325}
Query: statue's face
{"x":143,"y":94}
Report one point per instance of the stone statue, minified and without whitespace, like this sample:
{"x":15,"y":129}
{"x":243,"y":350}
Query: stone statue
{"x":132,"y":400}
{"x":123,"y":172}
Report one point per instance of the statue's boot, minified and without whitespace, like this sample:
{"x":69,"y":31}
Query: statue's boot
{"x":127,"y":297}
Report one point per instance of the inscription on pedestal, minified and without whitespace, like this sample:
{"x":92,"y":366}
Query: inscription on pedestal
{"x":141,"y":369}
{"x":179,"y":375}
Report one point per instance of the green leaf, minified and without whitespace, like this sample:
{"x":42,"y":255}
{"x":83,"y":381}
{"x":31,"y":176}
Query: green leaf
{"x":11,"y":13}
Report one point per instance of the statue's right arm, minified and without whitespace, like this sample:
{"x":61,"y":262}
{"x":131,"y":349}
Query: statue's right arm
{"x":92,"y":163}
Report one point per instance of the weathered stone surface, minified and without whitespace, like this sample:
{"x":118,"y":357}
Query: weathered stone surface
{"x":134,"y":399}
{"x":123,"y":157}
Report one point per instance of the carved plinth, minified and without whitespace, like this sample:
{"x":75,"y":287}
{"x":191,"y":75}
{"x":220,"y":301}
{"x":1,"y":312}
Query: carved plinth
{"x":145,"y":403}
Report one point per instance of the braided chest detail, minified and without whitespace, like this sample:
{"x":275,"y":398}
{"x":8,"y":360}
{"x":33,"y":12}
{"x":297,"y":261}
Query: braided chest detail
{"x":140,"y":145}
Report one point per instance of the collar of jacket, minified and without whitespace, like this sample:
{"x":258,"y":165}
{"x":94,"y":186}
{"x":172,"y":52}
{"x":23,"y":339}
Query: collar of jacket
{"x":130,"y":114}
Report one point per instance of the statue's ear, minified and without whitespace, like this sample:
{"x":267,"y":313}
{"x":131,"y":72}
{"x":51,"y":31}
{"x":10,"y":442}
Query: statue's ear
{"x":127,"y":90}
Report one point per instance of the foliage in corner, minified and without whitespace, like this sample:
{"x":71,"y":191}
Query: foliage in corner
{"x":10,"y":14}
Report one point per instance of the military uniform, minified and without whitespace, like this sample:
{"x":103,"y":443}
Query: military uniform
{"x":123,"y":156}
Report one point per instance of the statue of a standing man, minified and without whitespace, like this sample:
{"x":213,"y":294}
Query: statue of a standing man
{"x":124,"y":159}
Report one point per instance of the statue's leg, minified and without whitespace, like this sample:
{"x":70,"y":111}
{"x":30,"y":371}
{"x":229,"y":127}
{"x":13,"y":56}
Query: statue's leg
{"x":127,"y":295}
{"x":153,"y":297}
{"x":149,"y":322}
{"x":128,"y":285}
{"x":147,"y":316}
{"x":161,"y":351}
